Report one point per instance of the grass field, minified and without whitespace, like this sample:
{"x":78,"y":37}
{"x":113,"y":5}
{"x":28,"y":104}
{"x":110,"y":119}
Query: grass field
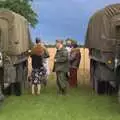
{"x":80,"y":104}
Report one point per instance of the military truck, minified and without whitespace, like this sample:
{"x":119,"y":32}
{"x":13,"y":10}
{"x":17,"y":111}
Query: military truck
{"x":103,"y":42}
{"x":14,"y":43}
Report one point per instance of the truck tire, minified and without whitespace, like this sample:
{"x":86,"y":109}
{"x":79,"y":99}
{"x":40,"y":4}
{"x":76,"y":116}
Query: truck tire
{"x":119,"y":94}
{"x":1,"y":80}
{"x":102,"y":77}
{"x":19,"y":80}
{"x":1,"y":97}
{"x":25,"y":75}
{"x":1,"y":85}
{"x":99,"y":84}
{"x":118,"y":82}
{"x":100,"y":87}
{"x":92,"y":69}
{"x":21,"y":77}
{"x":17,"y":88}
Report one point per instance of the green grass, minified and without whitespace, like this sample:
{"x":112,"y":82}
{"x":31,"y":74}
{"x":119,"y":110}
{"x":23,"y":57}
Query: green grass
{"x":80,"y":104}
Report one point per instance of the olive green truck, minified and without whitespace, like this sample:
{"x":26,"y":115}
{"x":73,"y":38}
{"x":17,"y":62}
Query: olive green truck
{"x":103,"y":42}
{"x":14,"y":43}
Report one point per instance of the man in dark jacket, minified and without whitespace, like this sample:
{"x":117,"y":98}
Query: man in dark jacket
{"x":61,"y":67}
{"x":74,"y":59}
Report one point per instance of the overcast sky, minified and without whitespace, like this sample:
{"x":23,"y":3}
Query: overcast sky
{"x":65,"y":18}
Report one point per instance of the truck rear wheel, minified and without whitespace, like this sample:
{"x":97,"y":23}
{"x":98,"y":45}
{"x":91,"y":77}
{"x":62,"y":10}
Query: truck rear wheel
{"x":118,"y":82}
{"x":92,"y":69}
{"x":100,"y":87}
{"x":19,"y":80}
{"x":25,"y":75}
{"x":1,"y":84}
{"x":97,"y":85}
{"x":102,"y":78}
{"x":119,"y":94}
{"x":21,"y":77}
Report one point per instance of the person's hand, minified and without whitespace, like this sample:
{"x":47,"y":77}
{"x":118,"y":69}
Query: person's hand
{"x":68,"y":74}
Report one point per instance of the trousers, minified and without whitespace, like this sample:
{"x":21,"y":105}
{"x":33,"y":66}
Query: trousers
{"x":62,"y":80}
{"x":73,"y":77}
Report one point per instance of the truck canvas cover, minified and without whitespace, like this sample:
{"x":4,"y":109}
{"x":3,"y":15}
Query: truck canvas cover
{"x":14,"y":37}
{"x":101,"y":32}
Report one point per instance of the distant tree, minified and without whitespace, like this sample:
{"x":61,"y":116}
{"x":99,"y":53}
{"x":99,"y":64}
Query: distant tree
{"x":50,"y":46}
{"x":70,"y":39}
{"x":75,"y":41}
{"x":81,"y":46}
{"x":23,"y":7}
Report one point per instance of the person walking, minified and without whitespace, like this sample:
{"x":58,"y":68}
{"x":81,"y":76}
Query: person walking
{"x":38,"y":69}
{"x":74,"y":60}
{"x":45,"y":57}
{"x":61,"y":67}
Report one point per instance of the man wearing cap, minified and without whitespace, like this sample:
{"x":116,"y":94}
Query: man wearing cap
{"x":61,"y":67}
